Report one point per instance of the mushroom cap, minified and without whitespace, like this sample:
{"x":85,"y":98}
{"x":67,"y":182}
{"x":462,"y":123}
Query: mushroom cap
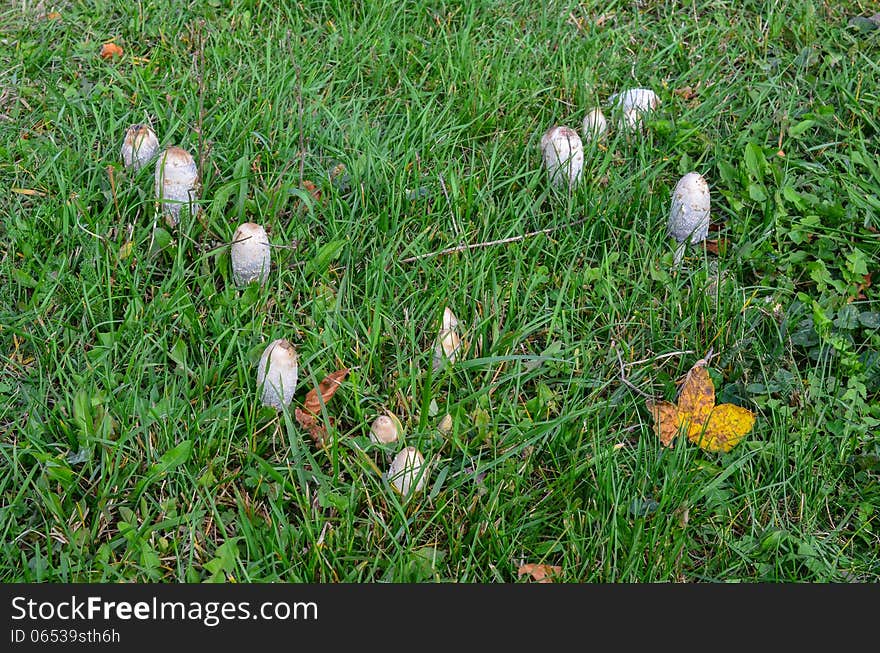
{"x":250,"y":253}
{"x":449,"y":319}
{"x":277,"y":374}
{"x":633,"y":104}
{"x":689,"y":212}
{"x":177,"y":180}
{"x":595,"y":125}
{"x":385,"y":429}
{"x":178,"y":165}
{"x":138,"y":146}
{"x":563,"y":155}
{"x":406,"y":472}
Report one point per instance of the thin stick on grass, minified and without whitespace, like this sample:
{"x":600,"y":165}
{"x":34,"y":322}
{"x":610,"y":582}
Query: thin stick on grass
{"x":490,"y":243}
{"x":623,"y":373}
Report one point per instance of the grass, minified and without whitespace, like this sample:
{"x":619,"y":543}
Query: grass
{"x":133,"y":444}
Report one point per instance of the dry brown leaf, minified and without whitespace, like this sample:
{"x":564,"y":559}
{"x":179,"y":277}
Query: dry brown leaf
{"x":327,"y":388}
{"x":306,"y":416}
{"x":110,"y":50}
{"x":540,"y":573}
{"x":314,"y":191}
{"x":685,"y":92}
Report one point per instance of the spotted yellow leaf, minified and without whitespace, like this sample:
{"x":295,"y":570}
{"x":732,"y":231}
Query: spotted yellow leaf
{"x":726,"y":426}
{"x":711,"y":427}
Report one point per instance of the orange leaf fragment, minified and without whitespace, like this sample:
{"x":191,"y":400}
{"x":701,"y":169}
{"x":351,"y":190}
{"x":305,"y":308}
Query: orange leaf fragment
{"x":666,"y":422}
{"x":711,"y":427}
{"x":110,"y":50}
{"x":540,"y":573}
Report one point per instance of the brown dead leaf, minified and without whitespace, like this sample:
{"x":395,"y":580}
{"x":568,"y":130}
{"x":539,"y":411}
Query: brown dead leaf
{"x":716,"y":246}
{"x":540,"y":573}
{"x":307,"y":416}
{"x":685,"y":93}
{"x":52,"y":15}
{"x":110,"y":50}
{"x":314,"y":191}
{"x":327,"y":388}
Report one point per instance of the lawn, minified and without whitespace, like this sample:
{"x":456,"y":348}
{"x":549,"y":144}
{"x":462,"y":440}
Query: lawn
{"x":391,"y":151}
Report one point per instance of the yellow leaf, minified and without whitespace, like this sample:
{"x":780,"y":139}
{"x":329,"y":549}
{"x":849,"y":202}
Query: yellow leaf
{"x":697,"y":396}
{"x":711,"y":427}
{"x":726,"y":426}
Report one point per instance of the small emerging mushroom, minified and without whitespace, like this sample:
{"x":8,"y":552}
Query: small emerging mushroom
{"x":407,"y":472}
{"x":177,"y":181}
{"x":633,"y":105}
{"x":277,"y":374}
{"x":250,"y":253}
{"x":138,"y":147}
{"x":595,"y":125}
{"x":448,"y":342}
{"x":689,"y":213}
{"x":445,"y":425}
{"x":563,"y":155}
{"x":385,"y":429}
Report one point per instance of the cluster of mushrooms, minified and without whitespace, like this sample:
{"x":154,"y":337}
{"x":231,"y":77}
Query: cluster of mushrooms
{"x":177,"y":188}
{"x":562,"y":151}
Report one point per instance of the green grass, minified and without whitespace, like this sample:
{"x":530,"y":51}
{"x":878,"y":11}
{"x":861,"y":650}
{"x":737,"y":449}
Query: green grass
{"x":132,"y":441}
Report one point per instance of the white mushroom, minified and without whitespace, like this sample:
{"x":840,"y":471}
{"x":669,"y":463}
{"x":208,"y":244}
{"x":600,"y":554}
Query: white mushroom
{"x":250,"y":253}
{"x":633,"y":105}
{"x":139,"y":146}
{"x":385,"y":429}
{"x":563,"y":155}
{"x":177,"y":181}
{"x":445,"y":425}
{"x":689,"y":213}
{"x":595,"y":125}
{"x":407,"y":472}
{"x":448,"y":343}
{"x":277,"y":374}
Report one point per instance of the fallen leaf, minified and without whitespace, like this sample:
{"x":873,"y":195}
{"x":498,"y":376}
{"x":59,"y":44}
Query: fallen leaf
{"x":711,"y":427}
{"x":53,"y":15}
{"x":313,"y":190}
{"x":685,"y":93}
{"x":540,"y":573}
{"x":715,"y":246}
{"x":306,"y":416}
{"x":28,"y":191}
{"x":110,"y":50}
{"x":666,"y":420}
{"x":326,"y":389}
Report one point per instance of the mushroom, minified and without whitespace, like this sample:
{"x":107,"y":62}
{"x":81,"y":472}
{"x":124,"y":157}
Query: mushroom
{"x":407,"y":472}
{"x":563,"y":154}
{"x":177,"y":181}
{"x":250,"y":254}
{"x":448,"y":342}
{"x":632,"y":106}
{"x":139,"y":146}
{"x":595,"y":125}
{"x":689,"y":214}
{"x":385,"y":429}
{"x":445,"y":425}
{"x":277,"y":374}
